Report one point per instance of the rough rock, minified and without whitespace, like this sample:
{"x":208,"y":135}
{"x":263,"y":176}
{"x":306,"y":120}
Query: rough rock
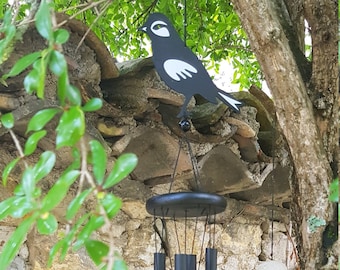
{"x":156,"y":152}
{"x":276,"y":183}
{"x":222,"y":172}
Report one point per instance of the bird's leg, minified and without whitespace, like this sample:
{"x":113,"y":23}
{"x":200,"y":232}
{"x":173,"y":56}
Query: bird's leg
{"x":184,"y":113}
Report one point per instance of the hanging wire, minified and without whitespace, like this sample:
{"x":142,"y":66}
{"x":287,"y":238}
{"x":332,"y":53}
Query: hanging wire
{"x":209,"y":243}
{"x":176,"y":164}
{"x":193,"y":239}
{"x":176,"y":231}
{"x":273,"y":191}
{"x":194,"y":164}
{"x":205,"y":229}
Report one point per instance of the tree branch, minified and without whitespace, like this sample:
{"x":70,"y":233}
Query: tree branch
{"x":262,"y":21}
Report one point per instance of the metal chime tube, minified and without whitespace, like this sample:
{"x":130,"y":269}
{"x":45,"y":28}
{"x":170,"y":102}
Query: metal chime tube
{"x":159,"y":261}
{"x":210,"y":259}
{"x":185,"y":262}
{"x":180,"y":262}
{"x":191,"y":262}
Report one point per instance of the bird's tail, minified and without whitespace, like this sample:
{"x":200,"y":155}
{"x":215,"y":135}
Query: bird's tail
{"x":230,"y":101}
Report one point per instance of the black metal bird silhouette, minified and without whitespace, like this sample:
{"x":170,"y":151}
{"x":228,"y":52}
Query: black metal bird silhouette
{"x":179,"y":67}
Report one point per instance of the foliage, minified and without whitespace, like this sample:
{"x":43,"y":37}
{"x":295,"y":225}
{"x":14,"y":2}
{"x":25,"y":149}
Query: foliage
{"x":213,"y":31}
{"x":29,"y":203}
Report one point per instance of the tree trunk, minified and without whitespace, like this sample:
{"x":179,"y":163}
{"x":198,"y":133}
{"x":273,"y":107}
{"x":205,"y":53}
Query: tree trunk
{"x":306,"y":102}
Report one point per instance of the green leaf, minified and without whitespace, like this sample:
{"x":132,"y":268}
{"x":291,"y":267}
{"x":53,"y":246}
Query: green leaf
{"x":63,"y":83}
{"x":93,"y":224}
{"x":15,"y":206}
{"x":41,"y":118}
{"x":334,"y":191}
{"x":9,"y":30}
{"x":111,"y":204}
{"x":47,"y":223}
{"x":124,"y":165}
{"x":40,"y":67}
{"x":43,"y":21}
{"x":5,"y":207}
{"x":65,"y":243}
{"x":32,"y":141}
{"x":7,"y":120}
{"x":97,"y":250}
{"x":12,"y":246}
{"x":73,"y":95}
{"x":57,"y":63}
{"x":76,"y":203}
{"x":71,"y":127}
{"x":22,"y":64}
{"x":92,"y":105}
{"x":31,"y":81}
{"x":54,"y":250}
{"x":61,"y":36}
{"x":18,"y":190}
{"x":119,"y":263}
{"x":28,"y":183}
{"x":99,"y":160}
{"x":9,"y":167}
{"x":58,"y":191}
{"x":44,"y":165}
{"x":21,"y":206}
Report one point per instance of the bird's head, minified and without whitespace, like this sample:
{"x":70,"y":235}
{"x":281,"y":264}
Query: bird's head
{"x":158,"y":26}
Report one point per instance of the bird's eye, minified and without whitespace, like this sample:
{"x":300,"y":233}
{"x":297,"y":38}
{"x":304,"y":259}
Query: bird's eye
{"x":159,"y":28}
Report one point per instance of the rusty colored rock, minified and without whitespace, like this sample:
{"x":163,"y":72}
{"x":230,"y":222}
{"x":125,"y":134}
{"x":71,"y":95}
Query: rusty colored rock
{"x":243,"y":128}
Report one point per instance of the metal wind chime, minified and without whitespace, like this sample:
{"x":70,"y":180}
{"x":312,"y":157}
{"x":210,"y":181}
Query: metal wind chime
{"x":183,"y":72}
{"x":178,"y":206}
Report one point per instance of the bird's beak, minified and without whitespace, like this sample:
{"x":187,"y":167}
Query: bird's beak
{"x":142,"y":28}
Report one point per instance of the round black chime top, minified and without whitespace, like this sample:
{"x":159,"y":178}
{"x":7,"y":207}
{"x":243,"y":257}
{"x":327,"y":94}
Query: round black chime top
{"x":186,"y":204}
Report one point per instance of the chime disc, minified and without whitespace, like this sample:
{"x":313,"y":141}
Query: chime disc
{"x":186,"y":204}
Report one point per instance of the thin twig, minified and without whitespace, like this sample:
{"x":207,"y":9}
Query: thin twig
{"x":91,"y":5}
{"x":94,"y":22}
{"x":18,"y":147}
{"x":293,"y":245}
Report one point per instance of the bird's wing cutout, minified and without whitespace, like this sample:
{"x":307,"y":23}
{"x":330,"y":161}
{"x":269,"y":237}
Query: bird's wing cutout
{"x":178,"y":69}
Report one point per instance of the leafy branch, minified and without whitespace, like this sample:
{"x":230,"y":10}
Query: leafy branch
{"x":29,"y":202}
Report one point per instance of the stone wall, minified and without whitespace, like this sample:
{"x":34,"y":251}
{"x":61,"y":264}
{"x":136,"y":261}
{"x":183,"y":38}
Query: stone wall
{"x":242,"y":242}
{"x":234,"y":154}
